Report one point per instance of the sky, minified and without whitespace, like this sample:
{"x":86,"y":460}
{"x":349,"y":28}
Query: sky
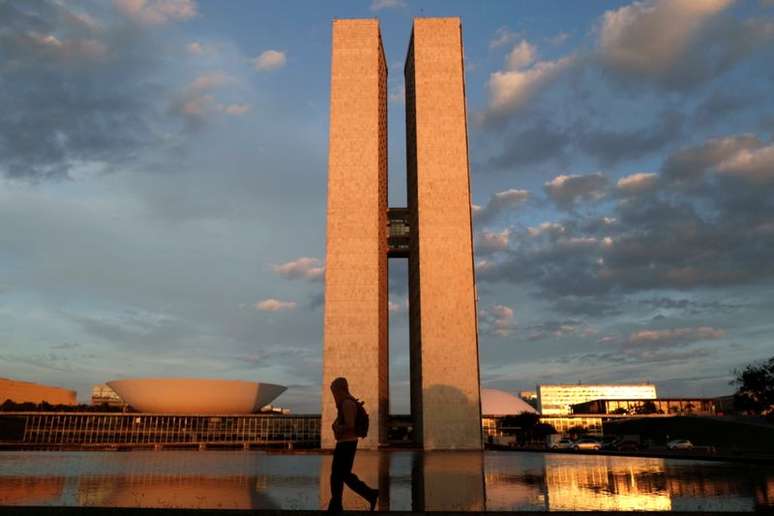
{"x":163,"y":189}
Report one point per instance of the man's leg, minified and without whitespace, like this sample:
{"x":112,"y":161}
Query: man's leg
{"x":339,"y":469}
{"x":353,"y":482}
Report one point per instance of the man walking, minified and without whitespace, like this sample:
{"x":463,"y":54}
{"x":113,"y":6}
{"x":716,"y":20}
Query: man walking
{"x":346,"y":433}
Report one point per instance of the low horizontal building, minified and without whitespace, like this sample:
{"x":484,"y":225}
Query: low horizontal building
{"x":122,"y":430}
{"x":27,"y":392}
{"x":653,"y":406}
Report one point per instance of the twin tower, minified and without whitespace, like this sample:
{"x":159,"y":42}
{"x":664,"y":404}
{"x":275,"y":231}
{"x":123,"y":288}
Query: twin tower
{"x":433,"y":232}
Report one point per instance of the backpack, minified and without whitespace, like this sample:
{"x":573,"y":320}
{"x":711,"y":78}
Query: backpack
{"x":361,"y":419}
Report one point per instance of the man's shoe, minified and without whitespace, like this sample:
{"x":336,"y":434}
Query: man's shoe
{"x":374,"y":497}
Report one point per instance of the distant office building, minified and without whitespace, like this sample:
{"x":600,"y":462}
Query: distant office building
{"x":28,"y":392}
{"x":558,"y":399}
{"x":102,"y":394}
{"x":635,"y":407}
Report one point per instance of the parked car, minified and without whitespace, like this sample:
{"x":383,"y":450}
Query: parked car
{"x":680,"y":444}
{"x":587,"y":443}
{"x":562,"y":444}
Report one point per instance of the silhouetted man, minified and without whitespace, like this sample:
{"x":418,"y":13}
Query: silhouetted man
{"x":344,"y":430}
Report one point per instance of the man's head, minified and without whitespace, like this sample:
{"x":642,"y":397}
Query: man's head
{"x":339,"y":386}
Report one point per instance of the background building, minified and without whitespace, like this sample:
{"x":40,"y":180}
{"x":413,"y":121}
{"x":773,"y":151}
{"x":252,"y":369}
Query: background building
{"x":558,"y":399}
{"x":27,"y":392}
{"x":102,"y":394}
{"x":530,"y":397}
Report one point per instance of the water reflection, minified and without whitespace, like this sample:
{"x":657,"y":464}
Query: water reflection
{"x":605,"y":483}
{"x":30,"y":491}
{"x":239,"y":492}
{"x":407,"y":480}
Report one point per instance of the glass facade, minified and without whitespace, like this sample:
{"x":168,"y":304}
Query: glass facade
{"x":673,"y":406}
{"x":558,"y":399}
{"x":90,"y":429}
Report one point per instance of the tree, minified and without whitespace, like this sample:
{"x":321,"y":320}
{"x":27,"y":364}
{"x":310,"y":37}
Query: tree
{"x":755,"y":388}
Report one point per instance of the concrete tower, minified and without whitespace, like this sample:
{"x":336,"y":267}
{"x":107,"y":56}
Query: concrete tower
{"x":433,"y":232}
{"x":356,"y":317}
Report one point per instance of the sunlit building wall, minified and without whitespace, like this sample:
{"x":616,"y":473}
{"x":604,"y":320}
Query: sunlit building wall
{"x":557,"y":399}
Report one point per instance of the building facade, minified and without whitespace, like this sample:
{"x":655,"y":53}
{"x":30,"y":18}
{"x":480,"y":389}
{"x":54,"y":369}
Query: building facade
{"x":434,"y":232}
{"x":655,"y":406}
{"x":558,"y":399}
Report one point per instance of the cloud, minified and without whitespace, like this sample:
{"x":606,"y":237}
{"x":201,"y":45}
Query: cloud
{"x":611,"y":146}
{"x":532,"y":143}
{"x":558,"y":329}
{"x":695,"y":43}
{"x":210,"y":81}
{"x":566,"y":190}
{"x":301,"y":268}
{"x":497,"y":320}
{"x":637,"y":183}
{"x":510,"y":90}
{"x":667,"y":337}
{"x":503,"y":36}
{"x":490,"y":242}
{"x":270,"y":60}
{"x":499,"y":204}
{"x":378,"y":5}
{"x":58,"y":114}
{"x":755,"y":165}
{"x":199,"y":49}
{"x":157,"y":12}
{"x":714,"y":234}
{"x":521,"y":56}
{"x":198,"y":99}
{"x":689,"y":165}
{"x":649,"y":38}
{"x":237,"y":109}
{"x":275,"y":305}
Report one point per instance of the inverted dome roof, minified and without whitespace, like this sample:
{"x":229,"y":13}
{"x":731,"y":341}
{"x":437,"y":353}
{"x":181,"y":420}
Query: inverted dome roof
{"x":195,"y":395}
{"x":501,"y":403}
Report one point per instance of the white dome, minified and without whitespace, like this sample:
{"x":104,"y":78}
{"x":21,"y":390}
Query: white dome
{"x":195,"y":396}
{"x":501,"y":403}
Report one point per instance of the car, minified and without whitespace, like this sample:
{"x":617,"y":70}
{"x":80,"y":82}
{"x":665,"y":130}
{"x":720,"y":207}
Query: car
{"x":587,"y":443}
{"x":680,"y":444}
{"x":562,"y":444}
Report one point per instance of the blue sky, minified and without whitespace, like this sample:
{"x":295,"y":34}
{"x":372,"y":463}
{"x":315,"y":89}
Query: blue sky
{"x":163,"y":168}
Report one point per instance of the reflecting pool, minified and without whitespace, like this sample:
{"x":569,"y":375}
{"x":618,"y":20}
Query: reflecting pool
{"x":407,"y":480}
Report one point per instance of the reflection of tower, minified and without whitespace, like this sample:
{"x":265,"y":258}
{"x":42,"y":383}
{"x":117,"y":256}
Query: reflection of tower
{"x":448,"y":482}
{"x":434,"y":232}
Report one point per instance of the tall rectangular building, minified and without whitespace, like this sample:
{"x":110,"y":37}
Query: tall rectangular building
{"x":444,"y":337}
{"x":434,"y":232}
{"x":356,"y":314}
